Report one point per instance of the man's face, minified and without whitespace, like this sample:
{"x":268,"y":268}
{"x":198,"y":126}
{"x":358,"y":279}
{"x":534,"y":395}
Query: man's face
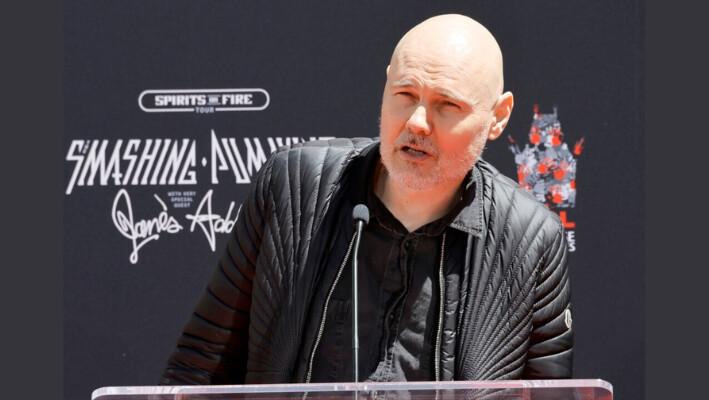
{"x":435,"y":118}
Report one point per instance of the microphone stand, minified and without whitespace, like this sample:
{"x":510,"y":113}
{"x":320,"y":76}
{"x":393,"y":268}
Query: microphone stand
{"x":360,"y":216}
{"x":355,"y":302}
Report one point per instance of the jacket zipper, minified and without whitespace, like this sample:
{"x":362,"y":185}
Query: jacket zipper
{"x":324,"y":314}
{"x":441,"y":290}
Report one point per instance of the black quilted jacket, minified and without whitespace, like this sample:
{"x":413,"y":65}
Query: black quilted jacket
{"x":509,"y":319}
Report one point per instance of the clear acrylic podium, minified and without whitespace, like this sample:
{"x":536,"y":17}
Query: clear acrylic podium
{"x":561,"y":389}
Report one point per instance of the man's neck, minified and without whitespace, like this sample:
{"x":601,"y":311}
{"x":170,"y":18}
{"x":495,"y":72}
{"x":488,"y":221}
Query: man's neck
{"x":415,"y":208}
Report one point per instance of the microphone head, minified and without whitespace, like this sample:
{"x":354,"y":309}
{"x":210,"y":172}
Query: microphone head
{"x":360,"y":213}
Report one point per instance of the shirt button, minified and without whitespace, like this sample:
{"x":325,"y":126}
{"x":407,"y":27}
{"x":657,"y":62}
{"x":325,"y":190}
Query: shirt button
{"x":406,"y":244}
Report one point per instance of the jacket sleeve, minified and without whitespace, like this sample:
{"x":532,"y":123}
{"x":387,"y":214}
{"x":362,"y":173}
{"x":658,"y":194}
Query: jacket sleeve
{"x":213,"y":346}
{"x":550,"y":351}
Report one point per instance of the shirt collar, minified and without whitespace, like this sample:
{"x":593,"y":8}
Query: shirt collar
{"x":469,"y":216}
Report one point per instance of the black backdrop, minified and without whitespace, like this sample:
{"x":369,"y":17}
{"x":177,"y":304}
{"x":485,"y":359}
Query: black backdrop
{"x":322,"y":65}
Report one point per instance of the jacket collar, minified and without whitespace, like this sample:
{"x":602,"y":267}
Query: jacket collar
{"x":468,"y":214}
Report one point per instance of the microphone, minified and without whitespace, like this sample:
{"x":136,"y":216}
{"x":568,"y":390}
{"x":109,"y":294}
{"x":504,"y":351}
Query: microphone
{"x":360,"y":217}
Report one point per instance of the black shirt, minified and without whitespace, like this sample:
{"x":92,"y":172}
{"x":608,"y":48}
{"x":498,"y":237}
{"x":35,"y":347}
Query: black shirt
{"x":398,"y":288}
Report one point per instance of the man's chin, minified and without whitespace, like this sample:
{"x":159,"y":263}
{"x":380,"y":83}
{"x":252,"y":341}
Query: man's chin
{"x":415,"y":181}
{"x":413,"y":176}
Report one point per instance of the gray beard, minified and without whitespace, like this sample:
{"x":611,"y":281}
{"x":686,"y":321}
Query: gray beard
{"x":450,"y":168}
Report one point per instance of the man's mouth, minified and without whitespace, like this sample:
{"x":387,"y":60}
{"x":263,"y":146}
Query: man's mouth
{"x":414,"y":153}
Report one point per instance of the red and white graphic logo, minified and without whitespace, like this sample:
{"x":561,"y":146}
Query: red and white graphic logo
{"x":546,"y":166}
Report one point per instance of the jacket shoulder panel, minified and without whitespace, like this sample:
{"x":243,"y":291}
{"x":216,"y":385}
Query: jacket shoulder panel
{"x":516,"y":287}
{"x":300,"y":182}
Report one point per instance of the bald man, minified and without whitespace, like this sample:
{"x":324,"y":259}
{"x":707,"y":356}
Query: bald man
{"x":461,"y":275}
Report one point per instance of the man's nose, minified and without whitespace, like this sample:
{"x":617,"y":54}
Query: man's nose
{"x":418,"y":121}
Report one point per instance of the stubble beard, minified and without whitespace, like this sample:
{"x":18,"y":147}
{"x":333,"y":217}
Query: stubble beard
{"x":447,"y":167}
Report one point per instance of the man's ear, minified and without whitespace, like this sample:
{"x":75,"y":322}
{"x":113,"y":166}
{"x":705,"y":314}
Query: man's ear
{"x":501,"y":115}
{"x":388,"y":66}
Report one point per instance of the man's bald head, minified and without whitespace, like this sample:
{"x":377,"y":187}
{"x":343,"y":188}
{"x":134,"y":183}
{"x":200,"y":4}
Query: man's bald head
{"x":442,"y":101}
{"x":460,"y":39}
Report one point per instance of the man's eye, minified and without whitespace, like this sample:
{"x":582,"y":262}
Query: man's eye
{"x":451,"y":104}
